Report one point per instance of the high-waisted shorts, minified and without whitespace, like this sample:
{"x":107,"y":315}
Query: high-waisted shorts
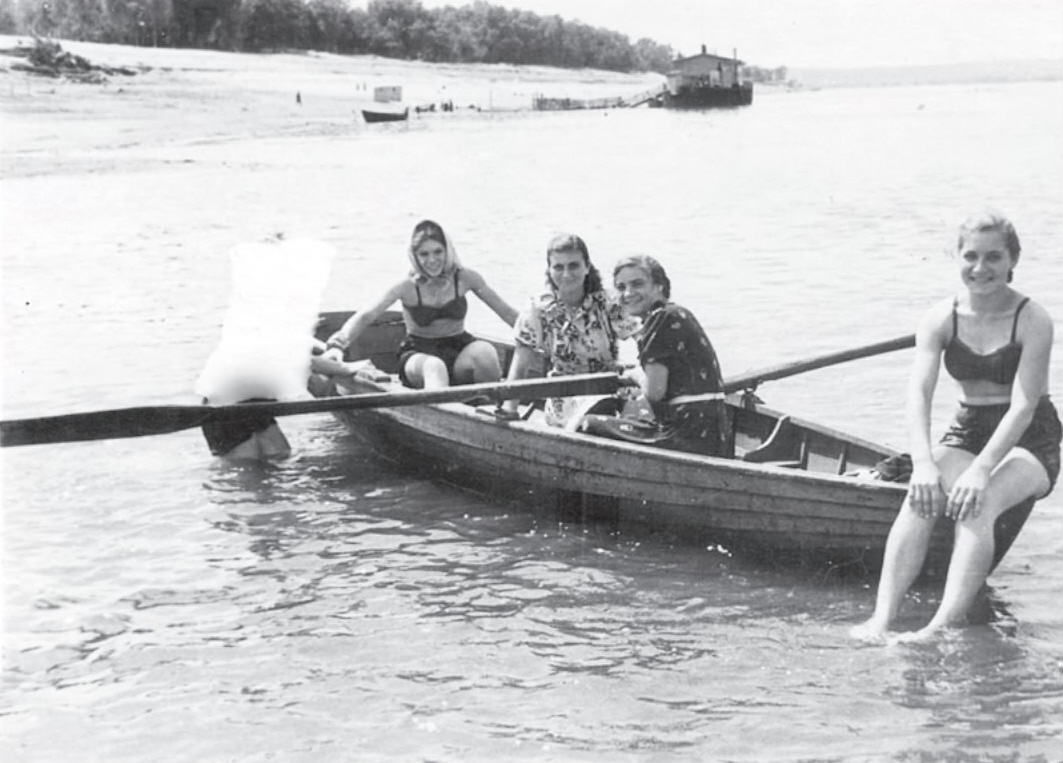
{"x":446,"y":348}
{"x":975,"y":424}
{"x":225,"y":434}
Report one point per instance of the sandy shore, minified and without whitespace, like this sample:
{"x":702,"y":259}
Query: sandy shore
{"x":198,"y":95}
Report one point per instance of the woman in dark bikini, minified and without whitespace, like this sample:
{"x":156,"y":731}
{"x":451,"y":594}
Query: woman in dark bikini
{"x":437,"y":351}
{"x":1004,"y":444}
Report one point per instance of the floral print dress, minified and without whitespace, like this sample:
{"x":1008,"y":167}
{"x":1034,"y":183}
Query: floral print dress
{"x":578,"y":339}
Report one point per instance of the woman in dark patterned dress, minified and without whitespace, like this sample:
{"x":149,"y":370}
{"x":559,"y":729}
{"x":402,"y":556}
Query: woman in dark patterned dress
{"x":677,"y":363}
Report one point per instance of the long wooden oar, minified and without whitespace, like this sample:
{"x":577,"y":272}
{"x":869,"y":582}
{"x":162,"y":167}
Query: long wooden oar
{"x":162,"y":419}
{"x":751,"y":379}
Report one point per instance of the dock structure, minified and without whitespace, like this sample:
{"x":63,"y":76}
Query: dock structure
{"x":702,"y":81}
{"x":651,"y":96}
{"x":654,"y":94}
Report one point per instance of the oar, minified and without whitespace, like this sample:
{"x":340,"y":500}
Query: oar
{"x":748,"y":381}
{"x":162,"y":419}
{"x":751,"y":379}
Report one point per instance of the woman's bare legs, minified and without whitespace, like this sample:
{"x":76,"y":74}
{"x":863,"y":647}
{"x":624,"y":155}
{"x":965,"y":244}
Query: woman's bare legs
{"x":478,"y":363}
{"x":1018,"y":477}
{"x":906,"y":549}
{"x":427,"y":371}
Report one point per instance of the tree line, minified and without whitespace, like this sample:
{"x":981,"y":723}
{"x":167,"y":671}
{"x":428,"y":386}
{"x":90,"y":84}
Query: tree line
{"x":405,"y":29}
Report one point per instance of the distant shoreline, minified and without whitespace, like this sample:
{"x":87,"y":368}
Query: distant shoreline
{"x":181,"y":95}
{"x":584,"y":83}
{"x":970,"y":73}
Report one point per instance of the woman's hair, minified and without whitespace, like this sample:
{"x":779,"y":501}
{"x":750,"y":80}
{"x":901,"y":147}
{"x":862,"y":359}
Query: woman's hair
{"x":427,"y":230}
{"x":990,"y":220}
{"x":569,"y":242}
{"x":650,"y":267}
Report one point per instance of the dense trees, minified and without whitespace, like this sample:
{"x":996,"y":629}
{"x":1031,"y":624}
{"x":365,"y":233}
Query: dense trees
{"x":474,"y":33}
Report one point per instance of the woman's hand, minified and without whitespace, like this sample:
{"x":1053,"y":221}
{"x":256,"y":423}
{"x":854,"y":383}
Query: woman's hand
{"x":333,"y":353}
{"x":630,"y":383}
{"x":925,"y":494}
{"x":968,"y":494}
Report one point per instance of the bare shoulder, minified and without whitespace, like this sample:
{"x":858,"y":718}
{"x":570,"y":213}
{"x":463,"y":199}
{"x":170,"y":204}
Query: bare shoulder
{"x":1035,"y":318}
{"x":402,"y":291}
{"x":937,"y":321}
{"x":470,"y":279}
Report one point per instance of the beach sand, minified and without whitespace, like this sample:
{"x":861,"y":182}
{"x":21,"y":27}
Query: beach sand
{"x":184,"y":95}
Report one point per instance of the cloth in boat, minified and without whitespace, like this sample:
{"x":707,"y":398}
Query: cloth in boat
{"x":975,"y":424}
{"x":578,"y":339}
{"x":672,"y":337}
{"x":446,"y":348}
{"x":223,"y":436}
{"x":896,"y":468}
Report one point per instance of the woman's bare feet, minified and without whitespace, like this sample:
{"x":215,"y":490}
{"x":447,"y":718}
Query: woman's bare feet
{"x":870,"y":630}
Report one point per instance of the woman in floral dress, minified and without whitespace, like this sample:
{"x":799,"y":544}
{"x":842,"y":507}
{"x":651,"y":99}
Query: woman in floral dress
{"x":574,"y":325}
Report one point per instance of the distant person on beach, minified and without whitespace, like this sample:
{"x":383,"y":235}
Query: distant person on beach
{"x":574,"y":325}
{"x":677,"y":361}
{"x":1003,"y":446}
{"x":437,"y":350}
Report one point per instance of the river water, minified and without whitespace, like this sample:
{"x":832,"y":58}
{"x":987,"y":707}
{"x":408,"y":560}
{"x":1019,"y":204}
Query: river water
{"x":158,"y":604}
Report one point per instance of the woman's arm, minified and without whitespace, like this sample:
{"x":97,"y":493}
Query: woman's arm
{"x":523,"y":358}
{"x":357,"y":323}
{"x":655,"y":381}
{"x":489,"y":296}
{"x":925,"y":491}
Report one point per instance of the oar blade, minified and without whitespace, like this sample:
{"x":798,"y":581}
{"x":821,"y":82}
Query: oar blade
{"x":102,"y":425}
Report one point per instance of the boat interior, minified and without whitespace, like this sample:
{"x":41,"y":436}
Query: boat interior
{"x":759,"y":434}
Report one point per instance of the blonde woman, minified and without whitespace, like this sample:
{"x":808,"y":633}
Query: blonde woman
{"x":437,"y":350}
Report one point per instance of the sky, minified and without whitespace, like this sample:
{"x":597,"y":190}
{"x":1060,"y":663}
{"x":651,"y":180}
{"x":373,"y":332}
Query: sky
{"x":825,"y":33}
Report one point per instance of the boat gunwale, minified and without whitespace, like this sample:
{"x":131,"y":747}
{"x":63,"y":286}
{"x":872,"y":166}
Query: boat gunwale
{"x":661,"y":455}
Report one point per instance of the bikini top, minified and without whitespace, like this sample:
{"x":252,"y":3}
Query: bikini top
{"x":998,"y":366}
{"x":424,"y":315}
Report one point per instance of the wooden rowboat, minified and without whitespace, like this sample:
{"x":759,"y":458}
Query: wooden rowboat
{"x":372,"y":115}
{"x":789,"y":492}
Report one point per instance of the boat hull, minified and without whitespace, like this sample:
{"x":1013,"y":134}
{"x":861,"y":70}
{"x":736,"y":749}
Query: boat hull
{"x":753,"y":506}
{"x":372,"y":117}
{"x":709,"y":97}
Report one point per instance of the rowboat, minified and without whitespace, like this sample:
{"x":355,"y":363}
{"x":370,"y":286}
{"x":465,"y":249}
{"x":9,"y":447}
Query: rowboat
{"x":374,"y":115}
{"x":795,"y":492}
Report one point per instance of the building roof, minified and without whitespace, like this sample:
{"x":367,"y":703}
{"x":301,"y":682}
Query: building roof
{"x":711,"y":57}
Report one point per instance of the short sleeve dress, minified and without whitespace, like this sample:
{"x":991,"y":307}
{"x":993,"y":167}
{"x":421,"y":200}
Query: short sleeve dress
{"x":578,"y":339}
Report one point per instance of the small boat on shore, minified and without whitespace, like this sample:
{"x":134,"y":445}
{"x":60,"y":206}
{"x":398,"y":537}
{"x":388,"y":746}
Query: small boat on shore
{"x":795,"y":492}
{"x":372,"y":116}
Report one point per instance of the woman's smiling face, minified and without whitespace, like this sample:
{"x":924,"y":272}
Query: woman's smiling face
{"x":638,"y":293}
{"x":985,"y":261}
{"x":568,"y":270}
{"x":432,"y":257}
